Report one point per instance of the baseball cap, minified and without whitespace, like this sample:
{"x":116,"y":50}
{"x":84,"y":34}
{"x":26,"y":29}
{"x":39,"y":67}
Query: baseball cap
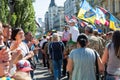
{"x":72,"y":21}
{"x":24,"y":65}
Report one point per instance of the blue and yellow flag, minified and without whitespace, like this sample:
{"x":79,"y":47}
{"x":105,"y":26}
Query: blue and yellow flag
{"x":86,"y":12}
{"x":114,"y":23}
{"x":100,"y":16}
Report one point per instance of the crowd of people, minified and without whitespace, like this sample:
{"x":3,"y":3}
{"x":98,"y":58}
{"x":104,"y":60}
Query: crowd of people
{"x":79,"y":56}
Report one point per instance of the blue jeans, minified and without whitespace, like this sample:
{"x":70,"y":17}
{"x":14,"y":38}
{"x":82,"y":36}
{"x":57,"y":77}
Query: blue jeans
{"x":109,"y":77}
{"x":36,"y":58}
{"x":57,"y":69}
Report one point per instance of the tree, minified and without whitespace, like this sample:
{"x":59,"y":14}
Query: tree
{"x":25,"y":14}
{"x":4,"y":11}
{"x":18,"y":13}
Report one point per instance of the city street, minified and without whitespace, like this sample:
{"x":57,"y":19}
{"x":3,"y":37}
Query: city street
{"x":41,"y":73}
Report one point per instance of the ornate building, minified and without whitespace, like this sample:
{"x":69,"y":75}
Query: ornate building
{"x":46,"y":21}
{"x":54,"y":18}
{"x":59,"y":19}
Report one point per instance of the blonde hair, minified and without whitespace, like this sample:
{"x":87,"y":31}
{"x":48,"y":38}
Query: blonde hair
{"x":21,"y":76}
{"x":55,"y":37}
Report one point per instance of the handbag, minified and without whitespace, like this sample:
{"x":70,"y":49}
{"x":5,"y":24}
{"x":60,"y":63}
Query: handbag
{"x":98,"y":75}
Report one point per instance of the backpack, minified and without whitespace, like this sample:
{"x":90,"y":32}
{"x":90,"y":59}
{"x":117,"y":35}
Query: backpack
{"x":44,"y":44}
{"x":56,"y":50}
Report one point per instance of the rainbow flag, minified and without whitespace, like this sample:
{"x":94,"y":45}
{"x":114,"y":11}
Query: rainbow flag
{"x":114,"y":23}
{"x":86,"y":12}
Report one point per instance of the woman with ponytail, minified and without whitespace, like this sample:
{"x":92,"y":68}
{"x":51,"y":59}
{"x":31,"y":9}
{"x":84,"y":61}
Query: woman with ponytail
{"x":81,"y":62}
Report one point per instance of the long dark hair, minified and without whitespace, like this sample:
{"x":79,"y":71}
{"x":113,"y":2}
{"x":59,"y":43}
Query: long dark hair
{"x":14,"y":33}
{"x":116,"y":42}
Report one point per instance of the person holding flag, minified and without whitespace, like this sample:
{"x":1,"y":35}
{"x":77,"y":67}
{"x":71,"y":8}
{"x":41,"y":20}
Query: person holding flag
{"x":74,"y":33}
{"x":72,"y":43}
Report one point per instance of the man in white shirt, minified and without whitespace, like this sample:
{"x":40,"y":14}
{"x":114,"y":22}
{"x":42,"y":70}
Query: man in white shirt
{"x":74,"y":32}
{"x":43,"y":40}
{"x":72,"y":43}
{"x":42,"y":49}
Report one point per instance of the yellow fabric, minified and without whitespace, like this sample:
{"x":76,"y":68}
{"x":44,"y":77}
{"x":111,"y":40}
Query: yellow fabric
{"x":81,"y":16}
{"x":112,"y":26}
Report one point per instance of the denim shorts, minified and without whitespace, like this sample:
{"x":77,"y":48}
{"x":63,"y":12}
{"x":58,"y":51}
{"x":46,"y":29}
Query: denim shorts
{"x":112,"y":77}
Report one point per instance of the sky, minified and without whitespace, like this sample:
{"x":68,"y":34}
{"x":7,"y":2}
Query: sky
{"x":41,"y":6}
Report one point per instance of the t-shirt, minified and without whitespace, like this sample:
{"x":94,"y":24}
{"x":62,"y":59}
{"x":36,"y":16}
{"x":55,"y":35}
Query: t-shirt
{"x":65,"y":36}
{"x":41,"y":43}
{"x":24,"y":48}
{"x":56,"y":50}
{"x":74,"y":32}
{"x":84,"y":63}
{"x":113,"y":65}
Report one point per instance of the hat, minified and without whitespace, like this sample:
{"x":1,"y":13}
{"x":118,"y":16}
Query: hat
{"x":72,"y":21}
{"x":24,"y":65}
{"x":89,"y":28}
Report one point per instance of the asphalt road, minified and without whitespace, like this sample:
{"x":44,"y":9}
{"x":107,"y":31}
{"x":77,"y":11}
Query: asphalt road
{"x":41,"y":73}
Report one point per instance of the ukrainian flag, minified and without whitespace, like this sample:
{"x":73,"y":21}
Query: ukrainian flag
{"x":100,"y":16}
{"x":86,"y":12}
{"x":114,"y":23}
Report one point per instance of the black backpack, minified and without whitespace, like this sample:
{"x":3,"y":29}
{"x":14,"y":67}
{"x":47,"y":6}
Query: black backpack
{"x":44,"y":44}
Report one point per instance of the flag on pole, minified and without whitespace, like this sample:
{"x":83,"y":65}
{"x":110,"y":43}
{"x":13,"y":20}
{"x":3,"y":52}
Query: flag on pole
{"x":114,"y":23}
{"x":100,"y":16}
{"x":107,"y":23}
{"x":86,"y":12}
{"x":103,"y":10}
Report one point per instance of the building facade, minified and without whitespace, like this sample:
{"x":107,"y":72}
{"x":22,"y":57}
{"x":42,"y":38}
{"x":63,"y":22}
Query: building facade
{"x":70,"y":7}
{"x":54,"y":18}
{"x":46,"y":20}
{"x":52,"y":12}
{"x":113,"y":6}
{"x":59,"y":19}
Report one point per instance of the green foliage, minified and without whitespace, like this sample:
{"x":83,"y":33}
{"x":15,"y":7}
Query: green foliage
{"x":25,"y":15}
{"x":22,"y":16}
{"x":13,"y":19}
{"x":4,"y":12}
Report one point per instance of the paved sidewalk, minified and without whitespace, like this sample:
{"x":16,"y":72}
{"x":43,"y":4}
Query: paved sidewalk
{"x":41,"y":73}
